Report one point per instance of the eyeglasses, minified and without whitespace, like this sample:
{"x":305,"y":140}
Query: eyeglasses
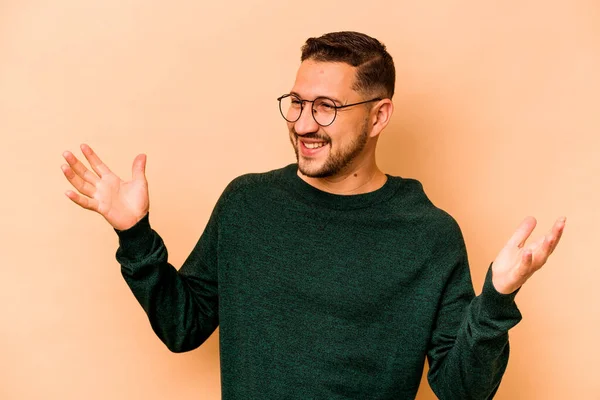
{"x":324,"y":110}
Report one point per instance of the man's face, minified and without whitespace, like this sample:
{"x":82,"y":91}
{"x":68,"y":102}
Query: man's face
{"x":327,"y":151}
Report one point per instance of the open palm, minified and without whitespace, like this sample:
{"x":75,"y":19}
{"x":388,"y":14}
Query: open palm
{"x":121,"y":203}
{"x":517,"y":261}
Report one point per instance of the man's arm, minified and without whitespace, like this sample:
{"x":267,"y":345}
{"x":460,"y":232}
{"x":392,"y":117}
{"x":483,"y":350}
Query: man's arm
{"x":182,"y":307}
{"x":469,"y":346}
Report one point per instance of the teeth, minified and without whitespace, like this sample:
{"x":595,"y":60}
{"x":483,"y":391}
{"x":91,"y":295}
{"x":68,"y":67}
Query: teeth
{"x":314,"y":145}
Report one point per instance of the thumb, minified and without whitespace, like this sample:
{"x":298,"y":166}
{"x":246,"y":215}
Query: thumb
{"x":139,"y":167}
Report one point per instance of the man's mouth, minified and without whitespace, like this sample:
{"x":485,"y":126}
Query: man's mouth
{"x":311,"y":149}
{"x":314,"y":145}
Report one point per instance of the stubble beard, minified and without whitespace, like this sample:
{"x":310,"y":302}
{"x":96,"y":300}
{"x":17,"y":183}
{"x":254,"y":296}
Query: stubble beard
{"x":335,"y":163}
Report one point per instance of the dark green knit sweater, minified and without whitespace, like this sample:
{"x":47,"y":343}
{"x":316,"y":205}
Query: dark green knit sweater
{"x":323,"y":296}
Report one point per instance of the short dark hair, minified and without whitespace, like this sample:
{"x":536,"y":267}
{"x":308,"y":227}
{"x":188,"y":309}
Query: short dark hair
{"x":375,"y":68}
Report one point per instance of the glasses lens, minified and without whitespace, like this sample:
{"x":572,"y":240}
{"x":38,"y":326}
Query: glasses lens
{"x":324,"y":111}
{"x":290,"y":108}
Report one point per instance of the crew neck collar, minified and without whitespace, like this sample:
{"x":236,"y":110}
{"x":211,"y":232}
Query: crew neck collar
{"x":321,"y":198}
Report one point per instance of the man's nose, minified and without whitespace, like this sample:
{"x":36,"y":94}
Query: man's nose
{"x":306,"y":123}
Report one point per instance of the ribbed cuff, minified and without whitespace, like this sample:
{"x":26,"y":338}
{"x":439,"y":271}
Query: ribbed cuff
{"x":496,"y":305}
{"x":138,"y":239}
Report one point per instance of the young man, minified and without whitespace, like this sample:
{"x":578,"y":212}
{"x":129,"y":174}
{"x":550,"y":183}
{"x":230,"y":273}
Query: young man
{"x":328,"y":278}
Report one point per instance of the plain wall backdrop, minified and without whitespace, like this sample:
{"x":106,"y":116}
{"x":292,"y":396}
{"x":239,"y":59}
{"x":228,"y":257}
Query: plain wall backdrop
{"x":497,"y":114}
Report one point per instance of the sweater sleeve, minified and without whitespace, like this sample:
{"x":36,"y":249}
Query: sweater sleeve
{"x":182,"y":305}
{"x":469,"y":347}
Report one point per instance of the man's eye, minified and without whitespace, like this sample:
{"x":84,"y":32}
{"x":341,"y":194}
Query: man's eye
{"x":296,"y":102}
{"x":325,"y":107}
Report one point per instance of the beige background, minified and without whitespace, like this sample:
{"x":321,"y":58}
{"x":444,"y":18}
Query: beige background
{"x":497,"y":113}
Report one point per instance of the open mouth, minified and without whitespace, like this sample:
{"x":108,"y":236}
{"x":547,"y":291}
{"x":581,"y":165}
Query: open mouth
{"x":314,"y":145}
{"x":311,"y":149}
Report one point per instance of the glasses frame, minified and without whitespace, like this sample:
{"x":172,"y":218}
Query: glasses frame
{"x":336,"y":107}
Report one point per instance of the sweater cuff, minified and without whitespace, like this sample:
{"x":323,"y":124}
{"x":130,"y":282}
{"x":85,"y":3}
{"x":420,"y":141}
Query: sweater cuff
{"x":138,"y":239}
{"x":496,"y":305}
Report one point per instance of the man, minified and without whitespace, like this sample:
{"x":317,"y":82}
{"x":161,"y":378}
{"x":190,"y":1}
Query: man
{"x":328,"y":278}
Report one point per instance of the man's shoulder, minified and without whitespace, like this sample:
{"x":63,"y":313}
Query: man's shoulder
{"x":258,"y":182}
{"x":413,"y":199}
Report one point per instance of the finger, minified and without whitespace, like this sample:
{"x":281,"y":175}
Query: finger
{"x":537,"y":245}
{"x":557,"y":231}
{"x":78,"y":183}
{"x":522,"y":233}
{"x":85,"y":202}
{"x":138,"y":169}
{"x":80,"y":169}
{"x":542,"y":252}
{"x":524,"y":269}
{"x":97,"y":165}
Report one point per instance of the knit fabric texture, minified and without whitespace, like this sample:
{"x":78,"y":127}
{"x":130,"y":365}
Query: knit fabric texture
{"x":324,"y":296}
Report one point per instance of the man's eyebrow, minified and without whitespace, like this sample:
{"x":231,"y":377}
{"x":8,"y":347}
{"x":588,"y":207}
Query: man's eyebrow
{"x":329,"y":97}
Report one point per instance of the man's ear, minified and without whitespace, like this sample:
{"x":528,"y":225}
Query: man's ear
{"x":381,"y":115}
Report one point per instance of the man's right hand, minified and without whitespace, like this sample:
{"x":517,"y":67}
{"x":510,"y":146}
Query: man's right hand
{"x":121,"y":203}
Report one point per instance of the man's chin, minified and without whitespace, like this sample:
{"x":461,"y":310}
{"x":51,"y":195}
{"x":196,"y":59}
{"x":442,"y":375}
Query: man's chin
{"x":312,"y":169}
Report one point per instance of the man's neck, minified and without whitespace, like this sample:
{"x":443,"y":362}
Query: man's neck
{"x":361,"y":180}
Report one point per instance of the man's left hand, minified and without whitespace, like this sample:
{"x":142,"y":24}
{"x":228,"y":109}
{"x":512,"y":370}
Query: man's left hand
{"x":516,"y":262}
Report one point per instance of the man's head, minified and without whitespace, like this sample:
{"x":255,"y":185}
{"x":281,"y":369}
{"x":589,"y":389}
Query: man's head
{"x":348,"y":68}
{"x":375,"y":72}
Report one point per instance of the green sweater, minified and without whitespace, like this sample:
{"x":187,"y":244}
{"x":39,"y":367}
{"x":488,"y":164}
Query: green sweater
{"x":323,"y":296}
